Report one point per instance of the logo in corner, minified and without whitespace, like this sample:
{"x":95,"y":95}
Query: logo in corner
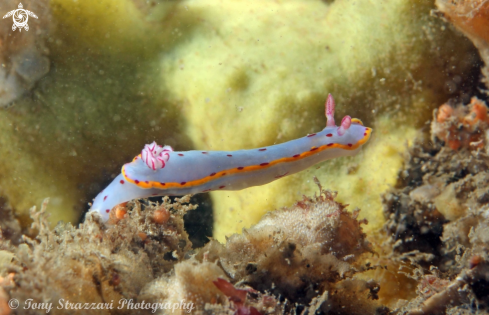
{"x":20,"y":17}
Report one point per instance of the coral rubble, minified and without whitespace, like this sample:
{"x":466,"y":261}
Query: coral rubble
{"x":300,"y":259}
{"x":463,"y":126}
{"x":437,"y":214}
{"x":94,"y":263}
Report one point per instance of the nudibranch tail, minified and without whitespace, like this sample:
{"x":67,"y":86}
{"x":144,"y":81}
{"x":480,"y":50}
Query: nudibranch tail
{"x":159,"y":171}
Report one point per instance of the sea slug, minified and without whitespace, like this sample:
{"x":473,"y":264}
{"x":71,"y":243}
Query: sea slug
{"x":160,"y":171}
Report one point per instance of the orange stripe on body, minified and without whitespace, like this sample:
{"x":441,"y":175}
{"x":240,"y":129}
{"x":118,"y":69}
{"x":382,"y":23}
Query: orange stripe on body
{"x":356,"y":121}
{"x":246,"y":169}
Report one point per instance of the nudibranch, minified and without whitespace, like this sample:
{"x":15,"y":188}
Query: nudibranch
{"x":160,"y":171}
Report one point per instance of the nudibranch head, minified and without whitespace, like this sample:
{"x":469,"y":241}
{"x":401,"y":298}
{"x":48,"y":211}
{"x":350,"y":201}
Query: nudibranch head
{"x":345,"y":125}
{"x":329,"y":112}
{"x":155,"y":156}
{"x":351,"y":130}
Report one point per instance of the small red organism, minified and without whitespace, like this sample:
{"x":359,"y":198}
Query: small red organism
{"x":431,"y":284}
{"x":444,"y":113}
{"x":115,"y":280}
{"x":462,"y":126}
{"x":237,"y":296}
{"x":143,"y":236}
{"x":475,"y":261}
{"x":161,"y":216}
{"x":118,"y":213}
